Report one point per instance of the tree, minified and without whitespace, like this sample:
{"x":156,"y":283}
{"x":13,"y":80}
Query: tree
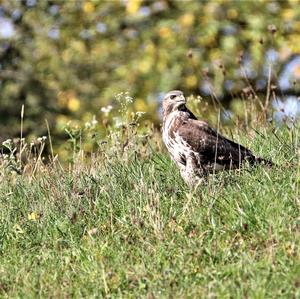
{"x":67,"y":59}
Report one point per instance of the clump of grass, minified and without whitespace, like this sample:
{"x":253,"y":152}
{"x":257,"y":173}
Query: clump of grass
{"x":120,"y":222}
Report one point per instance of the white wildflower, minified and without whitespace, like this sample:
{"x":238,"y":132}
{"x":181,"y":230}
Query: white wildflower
{"x":94,"y":121}
{"x":42,"y":139}
{"x":106,"y":110}
{"x":87,"y":125}
{"x":120,"y":97}
{"x":118,"y":122}
{"x":128,"y":98}
{"x":7,"y":143}
{"x":140,"y":113}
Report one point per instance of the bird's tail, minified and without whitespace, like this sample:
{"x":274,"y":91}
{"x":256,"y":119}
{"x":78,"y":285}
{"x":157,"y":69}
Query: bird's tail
{"x":262,"y":161}
{"x":254,"y":160}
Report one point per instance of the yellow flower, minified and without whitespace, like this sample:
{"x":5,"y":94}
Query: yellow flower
{"x":73,"y":104}
{"x":33,"y":216}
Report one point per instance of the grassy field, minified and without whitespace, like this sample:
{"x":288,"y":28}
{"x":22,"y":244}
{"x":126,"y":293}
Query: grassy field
{"x":122,"y":223}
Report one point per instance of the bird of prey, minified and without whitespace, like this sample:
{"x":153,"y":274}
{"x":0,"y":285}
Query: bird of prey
{"x":195,"y":147}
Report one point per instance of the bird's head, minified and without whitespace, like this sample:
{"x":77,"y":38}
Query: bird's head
{"x":173,"y":100}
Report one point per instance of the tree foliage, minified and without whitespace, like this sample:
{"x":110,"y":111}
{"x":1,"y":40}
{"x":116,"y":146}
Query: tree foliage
{"x":67,"y":59}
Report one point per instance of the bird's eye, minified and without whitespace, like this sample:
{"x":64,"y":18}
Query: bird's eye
{"x":172,"y":97}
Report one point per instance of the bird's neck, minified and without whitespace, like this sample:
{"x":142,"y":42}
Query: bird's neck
{"x":181,"y":110}
{"x":186,"y":112}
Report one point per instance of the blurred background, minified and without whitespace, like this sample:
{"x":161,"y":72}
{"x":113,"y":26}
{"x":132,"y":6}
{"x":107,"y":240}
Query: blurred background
{"x":68,"y":60}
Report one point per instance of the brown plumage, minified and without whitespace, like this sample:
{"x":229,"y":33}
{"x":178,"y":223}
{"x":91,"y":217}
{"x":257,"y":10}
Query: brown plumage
{"x":195,"y":147}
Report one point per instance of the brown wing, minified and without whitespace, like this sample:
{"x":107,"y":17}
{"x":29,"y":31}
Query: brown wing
{"x":212,"y":146}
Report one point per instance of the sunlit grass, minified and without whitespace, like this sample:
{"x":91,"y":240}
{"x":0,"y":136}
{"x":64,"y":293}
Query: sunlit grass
{"x":122,"y":223}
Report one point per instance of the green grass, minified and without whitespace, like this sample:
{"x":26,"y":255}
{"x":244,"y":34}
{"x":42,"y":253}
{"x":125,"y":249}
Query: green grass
{"x":124,"y":224}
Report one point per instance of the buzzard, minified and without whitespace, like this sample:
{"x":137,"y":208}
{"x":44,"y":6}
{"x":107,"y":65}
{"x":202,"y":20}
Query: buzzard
{"x":195,"y":147}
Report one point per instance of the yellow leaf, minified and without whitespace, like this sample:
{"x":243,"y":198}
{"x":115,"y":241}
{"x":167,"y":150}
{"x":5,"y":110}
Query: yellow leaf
{"x":88,"y":7}
{"x":33,"y":216}
{"x":187,"y":20}
{"x":145,"y":66}
{"x":191,"y":81}
{"x":164,"y":32}
{"x":288,"y":14}
{"x":133,"y":6}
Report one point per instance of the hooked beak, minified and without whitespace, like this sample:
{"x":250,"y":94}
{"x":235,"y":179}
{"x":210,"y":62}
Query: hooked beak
{"x":180,"y":102}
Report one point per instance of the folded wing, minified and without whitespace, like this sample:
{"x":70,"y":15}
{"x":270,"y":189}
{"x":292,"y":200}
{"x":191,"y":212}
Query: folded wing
{"x":213,"y":147}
